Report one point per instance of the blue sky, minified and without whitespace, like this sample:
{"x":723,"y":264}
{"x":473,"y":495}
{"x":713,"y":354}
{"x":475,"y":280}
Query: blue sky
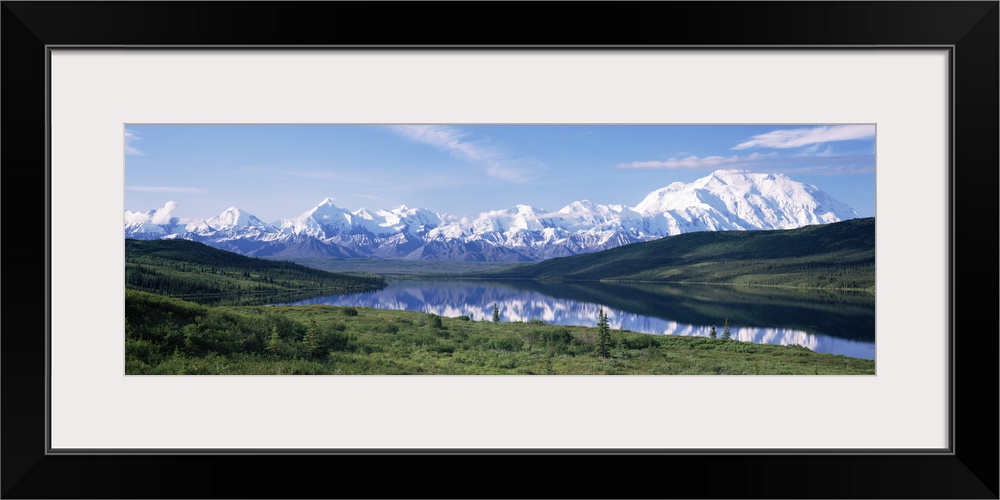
{"x":280,"y":171}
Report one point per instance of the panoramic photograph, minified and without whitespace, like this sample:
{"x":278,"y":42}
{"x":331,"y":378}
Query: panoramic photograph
{"x":466,"y":249}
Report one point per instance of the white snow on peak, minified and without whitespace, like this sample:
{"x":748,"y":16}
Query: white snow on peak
{"x":233,"y":217}
{"x":740,"y":199}
{"x":722,"y":200}
{"x":578,"y":206}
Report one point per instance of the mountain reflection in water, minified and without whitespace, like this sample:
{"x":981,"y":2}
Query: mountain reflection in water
{"x":824,"y":321}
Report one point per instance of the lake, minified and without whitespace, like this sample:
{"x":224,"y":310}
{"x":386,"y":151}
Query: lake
{"x":824,"y":321}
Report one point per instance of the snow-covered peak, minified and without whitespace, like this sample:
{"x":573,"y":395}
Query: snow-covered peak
{"x":364,"y":214}
{"x":722,"y":200}
{"x":321,"y":221}
{"x":755,"y":199}
{"x":234,"y":217}
{"x":518,"y":217}
{"x":410,"y":219}
{"x":578,"y":206}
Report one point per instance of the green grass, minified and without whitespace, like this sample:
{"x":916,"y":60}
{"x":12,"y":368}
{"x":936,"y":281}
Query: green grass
{"x":171,"y":336}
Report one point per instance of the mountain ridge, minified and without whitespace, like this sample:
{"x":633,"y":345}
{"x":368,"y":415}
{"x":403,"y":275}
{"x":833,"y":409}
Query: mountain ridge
{"x":725,"y":200}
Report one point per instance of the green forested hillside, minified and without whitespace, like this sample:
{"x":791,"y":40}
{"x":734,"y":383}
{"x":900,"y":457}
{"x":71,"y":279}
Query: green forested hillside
{"x":183,"y":268}
{"x":839,"y":255}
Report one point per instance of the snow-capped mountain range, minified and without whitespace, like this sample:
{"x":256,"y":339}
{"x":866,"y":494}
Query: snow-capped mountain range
{"x":722,"y":201}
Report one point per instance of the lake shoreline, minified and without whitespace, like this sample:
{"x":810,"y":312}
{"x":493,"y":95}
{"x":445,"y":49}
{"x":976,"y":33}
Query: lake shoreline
{"x":824,"y":320}
{"x":331,"y":340}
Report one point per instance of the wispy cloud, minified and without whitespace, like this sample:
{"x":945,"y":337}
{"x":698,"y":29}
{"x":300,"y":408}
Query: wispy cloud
{"x":357,"y":178}
{"x":495,"y":159}
{"x":814,"y":151}
{"x":798,"y":137}
{"x":130,"y":139}
{"x":696,"y":163}
{"x":450,"y":139}
{"x":166,"y":189}
{"x":829,"y":170}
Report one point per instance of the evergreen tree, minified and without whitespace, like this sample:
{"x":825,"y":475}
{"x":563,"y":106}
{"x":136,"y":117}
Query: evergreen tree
{"x":725,"y":330}
{"x":272,"y":343}
{"x":603,"y":335}
{"x":310,"y":342}
{"x":496,"y":313}
{"x":711,"y":332}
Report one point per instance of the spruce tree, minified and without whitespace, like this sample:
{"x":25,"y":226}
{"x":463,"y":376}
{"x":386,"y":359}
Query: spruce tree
{"x":273,"y":342}
{"x":725,"y":330}
{"x":496,"y":313}
{"x":711,"y":332}
{"x":603,"y":335}
{"x":310,"y":342}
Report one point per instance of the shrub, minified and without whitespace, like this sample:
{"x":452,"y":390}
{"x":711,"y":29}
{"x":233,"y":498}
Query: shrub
{"x":464,"y":318}
{"x":350,"y":311}
{"x":504,"y":343}
{"x":332,"y":340}
{"x":385,"y":328}
{"x":434,"y":320}
{"x":145,"y":351}
{"x":555,"y":336}
{"x":639,"y":341}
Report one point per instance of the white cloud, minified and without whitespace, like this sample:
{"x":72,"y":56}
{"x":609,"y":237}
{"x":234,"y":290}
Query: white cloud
{"x":515,"y":169}
{"x":162,"y":215}
{"x":496,"y":160}
{"x":130,"y":138}
{"x":449,"y":139}
{"x":829,"y":170}
{"x":695,"y":163}
{"x":814,"y":151}
{"x":166,"y":189}
{"x":794,"y":138}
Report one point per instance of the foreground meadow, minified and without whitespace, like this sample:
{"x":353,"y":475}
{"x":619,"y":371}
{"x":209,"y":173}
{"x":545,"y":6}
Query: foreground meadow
{"x":170,"y":336}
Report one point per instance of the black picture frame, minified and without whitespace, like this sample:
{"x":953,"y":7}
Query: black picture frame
{"x":969,"y":470}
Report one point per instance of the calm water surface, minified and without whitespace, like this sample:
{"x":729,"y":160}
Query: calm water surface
{"x":831,"y":322}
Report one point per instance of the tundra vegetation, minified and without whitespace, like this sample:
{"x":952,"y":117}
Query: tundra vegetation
{"x":171,"y":336}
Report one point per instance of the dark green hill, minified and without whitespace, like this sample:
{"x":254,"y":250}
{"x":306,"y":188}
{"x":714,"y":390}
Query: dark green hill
{"x":183,"y":268}
{"x":838,"y":255}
